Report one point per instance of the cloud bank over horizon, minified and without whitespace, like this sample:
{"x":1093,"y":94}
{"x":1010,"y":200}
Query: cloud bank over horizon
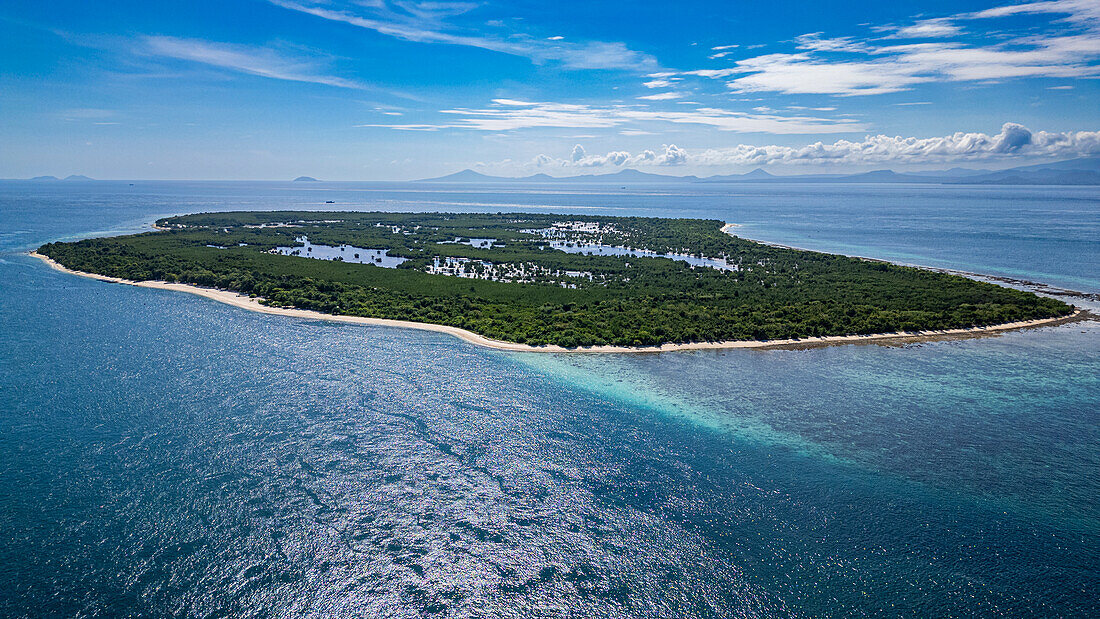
{"x":1013,"y":145}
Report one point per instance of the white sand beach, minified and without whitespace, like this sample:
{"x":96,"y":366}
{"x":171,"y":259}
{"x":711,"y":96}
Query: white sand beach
{"x":253,"y":304}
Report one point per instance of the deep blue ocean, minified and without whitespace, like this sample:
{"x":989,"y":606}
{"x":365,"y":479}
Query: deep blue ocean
{"x":165,"y":455}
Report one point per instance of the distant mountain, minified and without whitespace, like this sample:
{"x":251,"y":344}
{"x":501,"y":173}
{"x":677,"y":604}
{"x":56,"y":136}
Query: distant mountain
{"x":45,"y":178}
{"x":885,"y":176}
{"x":952,"y":173}
{"x":1035,"y":177}
{"x":875,"y":176}
{"x":77,"y":177}
{"x":628,"y":175}
{"x":468,"y":176}
{"x":306,"y":179}
{"x":1091,"y":164}
{"x":1082,"y":171}
{"x":756,"y":175}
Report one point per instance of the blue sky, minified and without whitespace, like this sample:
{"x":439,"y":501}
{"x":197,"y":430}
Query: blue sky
{"x":374,"y":90}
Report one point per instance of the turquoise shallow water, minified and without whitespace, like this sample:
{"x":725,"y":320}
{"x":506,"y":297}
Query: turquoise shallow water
{"x":161,"y":454}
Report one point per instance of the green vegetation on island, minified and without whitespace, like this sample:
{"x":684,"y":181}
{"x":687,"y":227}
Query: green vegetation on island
{"x":568,"y":280}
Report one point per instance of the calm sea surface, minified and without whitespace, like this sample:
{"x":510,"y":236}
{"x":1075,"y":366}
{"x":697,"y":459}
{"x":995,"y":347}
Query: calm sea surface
{"x":162,"y":454}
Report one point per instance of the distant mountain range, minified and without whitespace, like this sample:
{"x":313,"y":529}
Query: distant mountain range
{"x":1082,"y":171}
{"x":71,"y":177}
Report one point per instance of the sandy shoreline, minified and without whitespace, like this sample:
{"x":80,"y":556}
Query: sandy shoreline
{"x":253,"y":304}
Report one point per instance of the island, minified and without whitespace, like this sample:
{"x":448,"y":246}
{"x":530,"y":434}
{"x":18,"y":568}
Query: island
{"x":548,"y":281}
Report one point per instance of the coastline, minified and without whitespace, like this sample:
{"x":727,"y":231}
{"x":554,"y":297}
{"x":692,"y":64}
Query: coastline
{"x":253,"y":304}
{"x":1031,"y":286}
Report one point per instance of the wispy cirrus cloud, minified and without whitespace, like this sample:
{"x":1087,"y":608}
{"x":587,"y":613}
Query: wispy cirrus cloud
{"x":511,"y":114}
{"x":1081,"y":12}
{"x":927,"y":29}
{"x":262,"y":61}
{"x":849,"y":66}
{"x":434,"y":22}
{"x":663,"y":96}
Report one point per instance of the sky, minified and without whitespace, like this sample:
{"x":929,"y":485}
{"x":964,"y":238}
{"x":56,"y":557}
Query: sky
{"x":395,"y":90}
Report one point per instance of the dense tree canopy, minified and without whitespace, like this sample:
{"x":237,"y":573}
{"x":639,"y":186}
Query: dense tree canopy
{"x":766,"y":293}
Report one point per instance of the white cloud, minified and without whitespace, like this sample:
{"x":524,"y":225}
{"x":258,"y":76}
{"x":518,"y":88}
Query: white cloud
{"x":431,"y":22}
{"x":1081,"y":12}
{"x":669,"y":155}
{"x":409,"y":127}
{"x":663,"y":96}
{"x":618,"y":157}
{"x":1013,"y":142}
{"x":262,"y":61}
{"x":510,"y":114}
{"x":673,"y":155}
{"x":848,"y":66}
{"x":801,"y":74}
{"x":815,"y":42}
{"x":928,"y":29}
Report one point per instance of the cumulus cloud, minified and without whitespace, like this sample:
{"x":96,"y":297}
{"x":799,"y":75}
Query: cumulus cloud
{"x":1014,"y":141}
{"x":671,"y":155}
{"x":618,"y":157}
